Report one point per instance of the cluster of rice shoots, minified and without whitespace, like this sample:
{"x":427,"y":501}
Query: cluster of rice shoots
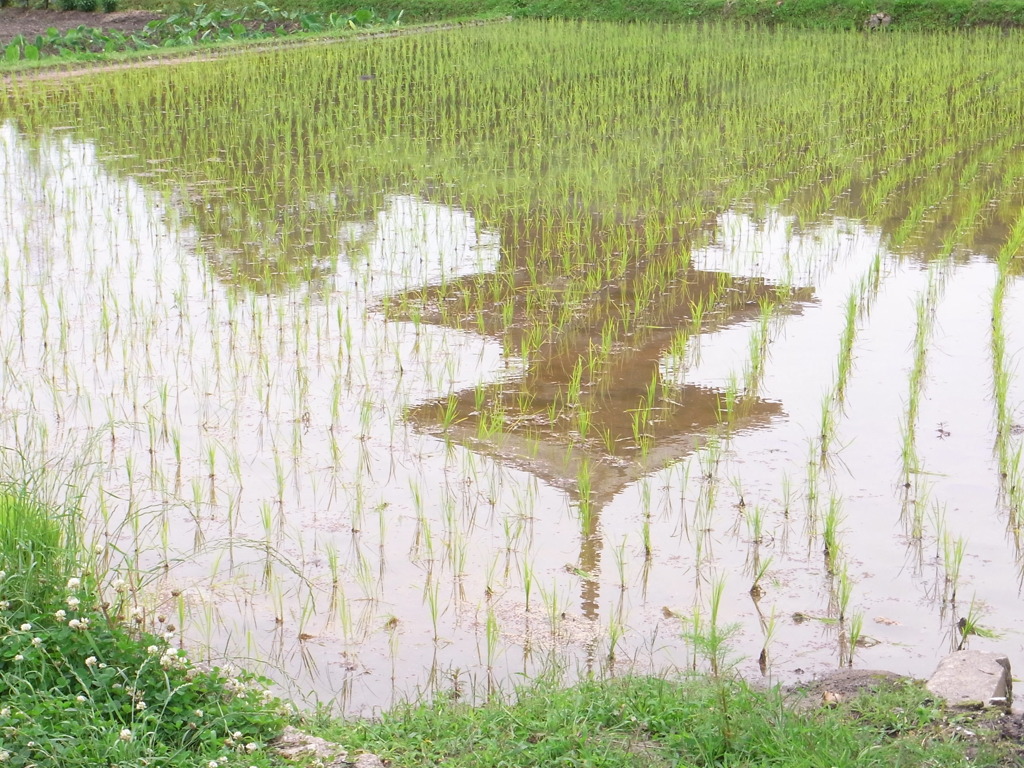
{"x":448,"y":340}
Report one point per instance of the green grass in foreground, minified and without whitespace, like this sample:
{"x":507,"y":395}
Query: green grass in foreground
{"x":81,"y":686}
{"x":653,"y":722}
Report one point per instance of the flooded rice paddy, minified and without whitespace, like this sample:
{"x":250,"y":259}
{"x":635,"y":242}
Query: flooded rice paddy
{"x":424,"y":364}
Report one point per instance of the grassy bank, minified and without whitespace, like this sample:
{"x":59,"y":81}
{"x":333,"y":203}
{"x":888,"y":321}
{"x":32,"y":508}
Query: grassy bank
{"x":88,"y":677}
{"x":654,"y":722}
{"x":825,"y":14}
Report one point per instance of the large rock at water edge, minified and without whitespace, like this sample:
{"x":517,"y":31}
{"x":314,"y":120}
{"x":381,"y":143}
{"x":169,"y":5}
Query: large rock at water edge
{"x":973,"y":679}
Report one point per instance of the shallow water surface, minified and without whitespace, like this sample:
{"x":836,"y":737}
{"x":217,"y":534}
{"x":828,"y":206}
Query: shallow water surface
{"x":577,"y":356}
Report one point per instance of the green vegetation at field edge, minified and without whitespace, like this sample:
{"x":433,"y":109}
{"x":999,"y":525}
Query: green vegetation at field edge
{"x":825,"y":14}
{"x":821,"y":14}
{"x":644,"y":721}
{"x":200,"y":25}
{"x":82,"y":681}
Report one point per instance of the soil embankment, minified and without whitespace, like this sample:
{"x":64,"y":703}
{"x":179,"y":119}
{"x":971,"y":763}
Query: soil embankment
{"x":36,"y":21}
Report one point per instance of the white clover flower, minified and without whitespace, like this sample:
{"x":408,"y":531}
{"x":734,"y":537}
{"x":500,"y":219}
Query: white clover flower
{"x":73,"y":602}
{"x":26,"y":627}
{"x":91,"y":661}
{"x":126,"y":734}
{"x":198,"y":713}
{"x":172,"y":657}
{"x":4,"y":605}
{"x":19,"y":657}
{"x":168,"y":636}
{"x":3,"y":575}
{"x":251,"y":746}
{"x":120,"y":585}
{"x":237,"y":735}
{"x":213,"y":764}
{"x":75,"y":624}
{"x":74,"y":583}
{"x":141,"y":706}
{"x":152,"y":650}
{"x":37,"y":641}
{"x":60,"y":615}
{"x":5,"y":712}
{"x":80,"y":699}
{"x":4,"y":754}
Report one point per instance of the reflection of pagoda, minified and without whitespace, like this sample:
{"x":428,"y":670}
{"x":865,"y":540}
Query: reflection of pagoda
{"x":639,"y":419}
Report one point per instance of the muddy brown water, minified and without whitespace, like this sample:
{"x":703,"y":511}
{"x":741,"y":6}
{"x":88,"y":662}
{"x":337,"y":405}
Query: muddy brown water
{"x":311,"y":485}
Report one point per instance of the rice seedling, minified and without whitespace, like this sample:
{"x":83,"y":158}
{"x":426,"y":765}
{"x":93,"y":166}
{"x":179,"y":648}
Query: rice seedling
{"x":710,"y":637}
{"x":827,"y":428}
{"x":758,"y":348}
{"x":755,"y":524}
{"x":811,"y":493}
{"x":830,"y":535}
{"x":970,"y":625}
{"x":492,"y":633}
{"x":431,"y":595}
{"x":843,"y":593}
{"x":759,"y":570}
{"x":526,"y":571}
{"x":953,"y":550}
{"x":846,"y":349}
{"x":854,"y":635}
{"x":709,"y":458}
{"x":620,"y":564}
{"x":728,"y":403}
{"x":553,"y":607}
{"x":769,"y":626}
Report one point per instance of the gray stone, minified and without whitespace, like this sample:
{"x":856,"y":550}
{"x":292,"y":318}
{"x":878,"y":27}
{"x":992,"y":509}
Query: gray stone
{"x":878,"y":21}
{"x":296,"y":745}
{"x":973,"y":679}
